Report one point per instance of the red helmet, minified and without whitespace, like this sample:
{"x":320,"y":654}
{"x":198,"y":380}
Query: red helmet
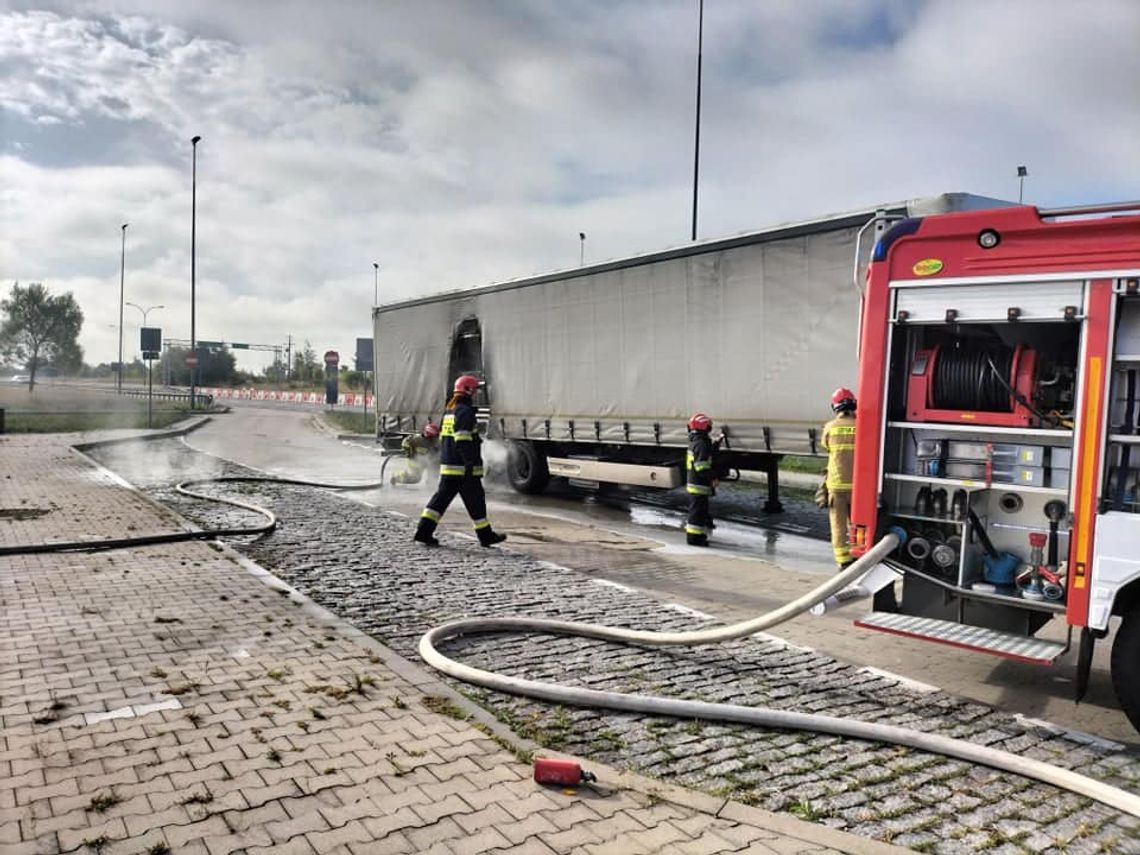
{"x":430,"y":431}
{"x":465,"y":384}
{"x":700,"y":421}
{"x":842,"y":399}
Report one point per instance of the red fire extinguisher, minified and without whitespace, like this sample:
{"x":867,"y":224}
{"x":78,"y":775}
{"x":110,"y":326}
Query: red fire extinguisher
{"x":565,"y":773}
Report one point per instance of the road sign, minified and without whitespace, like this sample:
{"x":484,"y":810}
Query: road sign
{"x":150,"y":338}
{"x":150,"y":354}
{"x":237,"y":345}
{"x":332,"y":358}
{"x":191,"y":361}
{"x":211,"y":345}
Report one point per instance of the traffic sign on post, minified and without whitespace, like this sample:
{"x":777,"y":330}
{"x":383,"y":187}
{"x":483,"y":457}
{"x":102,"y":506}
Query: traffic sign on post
{"x":191,"y":361}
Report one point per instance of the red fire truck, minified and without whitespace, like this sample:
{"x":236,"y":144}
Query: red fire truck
{"x":997,"y":428}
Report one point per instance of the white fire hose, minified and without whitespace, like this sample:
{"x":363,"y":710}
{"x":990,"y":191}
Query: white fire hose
{"x":1126,"y":802}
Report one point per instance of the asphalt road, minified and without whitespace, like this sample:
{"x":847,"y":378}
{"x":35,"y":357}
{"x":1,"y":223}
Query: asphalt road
{"x":749,"y":571}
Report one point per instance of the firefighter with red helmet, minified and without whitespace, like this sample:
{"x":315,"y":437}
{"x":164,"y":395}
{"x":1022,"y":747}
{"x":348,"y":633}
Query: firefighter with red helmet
{"x":417,"y":448}
{"x":460,"y":468}
{"x":838,"y":441}
{"x":701,"y":485}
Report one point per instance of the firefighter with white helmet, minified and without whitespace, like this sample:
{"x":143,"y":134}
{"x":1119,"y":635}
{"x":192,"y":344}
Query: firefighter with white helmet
{"x":701,"y":483}
{"x":417,"y":448}
{"x":838,"y":441}
{"x":460,"y":468}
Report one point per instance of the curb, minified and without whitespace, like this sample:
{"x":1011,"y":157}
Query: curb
{"x":179,"y":429}
{"x":428,"y":683}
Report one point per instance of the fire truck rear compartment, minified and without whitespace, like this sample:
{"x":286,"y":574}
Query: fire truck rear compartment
{"x":978,"y":470}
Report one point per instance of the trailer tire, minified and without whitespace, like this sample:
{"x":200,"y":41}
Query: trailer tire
{"x":1125,"y":665}
{"x":526,"y":468}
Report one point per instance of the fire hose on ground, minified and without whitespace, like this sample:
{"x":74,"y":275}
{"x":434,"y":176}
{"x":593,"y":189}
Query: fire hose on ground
{"x":1123,"y":801}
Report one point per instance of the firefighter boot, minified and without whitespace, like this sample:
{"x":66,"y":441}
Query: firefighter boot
{"x":424,"y":533}
{"x":697,"y":539}
{"x":489,"y":537}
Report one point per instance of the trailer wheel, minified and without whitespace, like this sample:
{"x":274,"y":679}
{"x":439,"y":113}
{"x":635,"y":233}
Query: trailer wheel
{"x":526,"y":468}
{"x":1125,"y":666}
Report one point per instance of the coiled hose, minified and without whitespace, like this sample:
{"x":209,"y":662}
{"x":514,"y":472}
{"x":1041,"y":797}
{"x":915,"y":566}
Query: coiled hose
{"x":1126,"y":802}
{"x":567,"y":695}
{"x":973,"y":379}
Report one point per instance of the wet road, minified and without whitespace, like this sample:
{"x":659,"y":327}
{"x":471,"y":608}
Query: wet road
{"x":748,"y":572}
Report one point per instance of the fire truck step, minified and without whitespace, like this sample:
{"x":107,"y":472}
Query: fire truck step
{"x":1007,"y":644}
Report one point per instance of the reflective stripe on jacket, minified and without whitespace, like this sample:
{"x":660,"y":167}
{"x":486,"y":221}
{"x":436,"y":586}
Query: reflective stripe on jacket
{"x":698,"y":464}
{"x":838,"y":441}
{"x":460,"y":450}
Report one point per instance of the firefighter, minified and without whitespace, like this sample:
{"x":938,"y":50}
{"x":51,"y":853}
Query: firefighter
{"x":839,"y":442}
{"x":701,"y":483}
{"x":416,"y":448}
{"x":460,"y":469}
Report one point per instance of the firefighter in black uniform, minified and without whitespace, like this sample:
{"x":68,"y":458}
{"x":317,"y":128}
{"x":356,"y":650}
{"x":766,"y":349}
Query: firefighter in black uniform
{"x":460,"y":469}
{"x":701,"y":483}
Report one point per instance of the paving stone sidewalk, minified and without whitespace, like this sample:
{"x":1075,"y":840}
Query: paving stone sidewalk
{"x":173,"y":699}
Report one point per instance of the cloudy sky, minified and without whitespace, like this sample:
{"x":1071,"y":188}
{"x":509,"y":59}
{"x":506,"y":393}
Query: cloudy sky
{"x":461,"y":142}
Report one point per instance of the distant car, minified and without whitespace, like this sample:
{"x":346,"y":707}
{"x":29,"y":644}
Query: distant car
{"x":19,"y":378}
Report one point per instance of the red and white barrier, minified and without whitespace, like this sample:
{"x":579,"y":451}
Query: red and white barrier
{"x":348,"y":399}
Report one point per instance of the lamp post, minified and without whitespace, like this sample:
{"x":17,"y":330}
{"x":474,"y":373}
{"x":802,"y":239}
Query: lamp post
{"x":697,"y":131}
{"x":145,"y":311}
{"x":582,"y":248}
{"x":149,"y":368}
{"x":1021,"y":173}
{"x":122,"y":280}
{"x":375,"y":284}
{"x":193,"y":261}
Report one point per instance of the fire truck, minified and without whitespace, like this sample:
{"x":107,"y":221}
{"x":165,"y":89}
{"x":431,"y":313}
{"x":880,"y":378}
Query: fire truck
{"x":997,"y":431}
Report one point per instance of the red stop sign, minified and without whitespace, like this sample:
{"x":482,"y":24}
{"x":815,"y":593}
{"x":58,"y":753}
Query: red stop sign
{"x":332,"y":357}
{"x":191,"y":361}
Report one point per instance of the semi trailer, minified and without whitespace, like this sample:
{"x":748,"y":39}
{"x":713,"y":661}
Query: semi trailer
{"x":997,"y":430}
{"x":591,"y":373}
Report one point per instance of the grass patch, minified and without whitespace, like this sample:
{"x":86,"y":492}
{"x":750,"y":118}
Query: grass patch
{"x":352,"y":421}
{"x":103,"y":802}
{"x":444,"y":706}
{"x":810,"y":465}
{"x":64,"y":422}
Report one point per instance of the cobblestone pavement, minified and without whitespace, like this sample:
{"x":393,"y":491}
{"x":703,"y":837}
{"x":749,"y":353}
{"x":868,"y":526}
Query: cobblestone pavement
{"x":168,"y":699}
{"x":359,"y":561}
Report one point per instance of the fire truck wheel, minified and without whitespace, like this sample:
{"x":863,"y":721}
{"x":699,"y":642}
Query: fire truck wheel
{"x":526,"y":468}
{"x":1126,"y":666}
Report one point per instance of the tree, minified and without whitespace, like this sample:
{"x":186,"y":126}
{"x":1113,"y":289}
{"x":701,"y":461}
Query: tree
{"x":39,"y":329}
{"x":306,"y":368}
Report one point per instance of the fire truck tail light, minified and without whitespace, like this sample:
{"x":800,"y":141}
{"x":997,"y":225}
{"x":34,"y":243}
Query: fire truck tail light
{"x":1132,"y":286}
{"x":859,"y":536}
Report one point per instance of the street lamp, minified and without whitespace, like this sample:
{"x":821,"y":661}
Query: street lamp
{"x":375,"y":284}
{"x":1021,"y":173}
{"x":582,"y":248}
{"x":122,"y":279}
{"x":145,"y":311}
{"x":193,"y":261}
{"x":697,"y":130}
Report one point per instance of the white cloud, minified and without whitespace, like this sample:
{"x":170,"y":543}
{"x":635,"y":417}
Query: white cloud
{"x":460,"y":143}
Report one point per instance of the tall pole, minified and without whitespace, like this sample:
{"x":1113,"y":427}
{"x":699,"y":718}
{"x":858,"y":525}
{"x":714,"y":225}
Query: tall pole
{"x":697,"y":132}
{"x":375,"y":284}
{"x":122,"y":280}
{"x":582,"y":247}
{"x":193,"y":261}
